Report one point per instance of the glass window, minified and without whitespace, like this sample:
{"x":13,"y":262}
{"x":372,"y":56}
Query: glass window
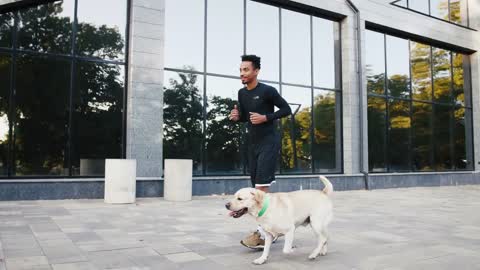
{"x":377,"y":130}
{"x":442,"y":133}
{"x":442,"y":78}
{"x":421,"y":71}
{"x":419,"y":5}
{"x":325,"y":148}
{"x":422,"y":136}
{"x":463,"y":138}
{"x":47,"y":28}
{"x":223,"y":137}
{"x":6,"y":26}
{"x":296,"y":55}
{"x":439,"y":9}
{"x":324,"y":52}
{"x":183,"y":117}
{"x":458,"y":11}
{"x":296,"y":140}
{"x":421,"y":133}
{"x":263,"y":38}
{"x":41,"y":116}
{"x":41,"y":122}
{"x":459,"y":90}
{"x":225,"y":36}
{"x":399,"y":135}
{"x":375,"y":61}
{"x":184,"y":31}
{"x":447,"y":10}
{"x":101,"y":29}
{"x":398,"y":67}
{"x":97,"y":117}
{"x":5,"y":65}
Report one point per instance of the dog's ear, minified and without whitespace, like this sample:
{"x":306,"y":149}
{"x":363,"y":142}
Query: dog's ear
{"x":258,"y":196}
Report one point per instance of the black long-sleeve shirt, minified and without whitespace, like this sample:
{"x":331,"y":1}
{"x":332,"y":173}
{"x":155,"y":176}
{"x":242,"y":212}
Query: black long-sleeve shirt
{"x":262,"y":100}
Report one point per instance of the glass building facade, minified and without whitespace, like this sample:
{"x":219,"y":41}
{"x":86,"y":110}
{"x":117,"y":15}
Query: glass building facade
{"x":419,"y":106}
{"x":65,"y":68}
{"x":62,"y":87}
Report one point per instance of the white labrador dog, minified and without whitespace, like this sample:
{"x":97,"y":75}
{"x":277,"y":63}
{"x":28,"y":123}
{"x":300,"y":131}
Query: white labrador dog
{"x":281,"y":213}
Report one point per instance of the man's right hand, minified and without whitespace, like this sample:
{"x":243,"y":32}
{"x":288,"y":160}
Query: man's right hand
{"x":234,"y":114}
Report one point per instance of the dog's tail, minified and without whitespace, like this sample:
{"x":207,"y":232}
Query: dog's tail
{"x":328,"y":186}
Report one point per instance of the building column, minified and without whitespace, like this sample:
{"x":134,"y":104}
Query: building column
{"x":474,"y":14}
{"x":352,"y":102}
{"x":145,"y":87}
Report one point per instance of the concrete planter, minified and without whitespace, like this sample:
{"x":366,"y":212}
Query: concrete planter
{"x":178,"y":180}
{"x":120,"y":180}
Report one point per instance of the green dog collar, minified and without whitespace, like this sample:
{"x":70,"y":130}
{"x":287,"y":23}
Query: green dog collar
{"x":266,"y":203}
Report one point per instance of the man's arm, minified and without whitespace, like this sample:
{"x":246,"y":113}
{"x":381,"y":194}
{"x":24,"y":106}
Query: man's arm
{"x":243,"y":112}
{"x":281,"y":104}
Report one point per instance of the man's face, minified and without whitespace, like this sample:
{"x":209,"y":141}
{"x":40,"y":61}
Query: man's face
{"x":247,"y":72}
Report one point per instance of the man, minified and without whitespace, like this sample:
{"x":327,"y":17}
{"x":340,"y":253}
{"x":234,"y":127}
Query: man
{"x":256,"y":106}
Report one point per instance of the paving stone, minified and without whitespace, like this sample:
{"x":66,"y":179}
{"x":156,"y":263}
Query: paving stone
{"x":398,"y":229}
{"x":74,"y":266}
{"x":27,"y":263}
{"x":184,"y":257}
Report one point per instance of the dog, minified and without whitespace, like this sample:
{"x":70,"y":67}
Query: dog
{"x":281,"y":213}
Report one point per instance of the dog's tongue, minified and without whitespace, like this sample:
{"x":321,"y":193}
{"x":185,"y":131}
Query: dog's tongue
{"x":231,"y":213}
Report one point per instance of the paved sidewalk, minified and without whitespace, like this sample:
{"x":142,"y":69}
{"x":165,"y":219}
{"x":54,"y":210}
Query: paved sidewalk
{"x":418,"y":228}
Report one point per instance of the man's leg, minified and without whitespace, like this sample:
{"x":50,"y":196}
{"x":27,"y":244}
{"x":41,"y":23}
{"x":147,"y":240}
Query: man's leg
{"x":263,"y":188}
{"x":253,"y":240}
{"x":265,"y":174}
{"x":256,"y":240}
{"x":263,"y":161}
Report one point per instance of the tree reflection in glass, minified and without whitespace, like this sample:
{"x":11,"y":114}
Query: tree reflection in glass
{"x":377,"y":140}
{"x":421,"y":71}
{"x":5,"y":63}
{"x":296,"y":146}
{"x":223,"y":136}
{"x":324,"y":148}
{"x":6,"y":27}
{"x":43,"y":89}
{"x":183,"y":118}
{"x":422,"y":136}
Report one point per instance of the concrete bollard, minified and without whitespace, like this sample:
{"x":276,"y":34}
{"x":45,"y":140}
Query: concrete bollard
{"x":178,"y":180}
{"x":120,"y":180}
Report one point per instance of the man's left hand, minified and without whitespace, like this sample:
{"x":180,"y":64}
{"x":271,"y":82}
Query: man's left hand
{"x":257,"y":119}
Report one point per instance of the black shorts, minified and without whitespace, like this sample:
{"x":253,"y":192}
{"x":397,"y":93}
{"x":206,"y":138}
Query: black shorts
{"x":263,"y":162}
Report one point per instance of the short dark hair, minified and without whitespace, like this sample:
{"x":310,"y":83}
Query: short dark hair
{"x":252,"y":58}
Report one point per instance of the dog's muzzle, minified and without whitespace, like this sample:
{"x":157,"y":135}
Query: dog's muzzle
{"x":238,"y":213}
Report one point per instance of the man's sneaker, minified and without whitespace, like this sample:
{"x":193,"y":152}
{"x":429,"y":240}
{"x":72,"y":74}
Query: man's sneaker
{"x":254,"y":241}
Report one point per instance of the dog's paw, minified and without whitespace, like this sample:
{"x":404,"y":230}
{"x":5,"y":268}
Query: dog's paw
{"x":259,"y":261}
{"x":323,"y":251}
{"x":288,"y":251}
{"x":312,"y":256}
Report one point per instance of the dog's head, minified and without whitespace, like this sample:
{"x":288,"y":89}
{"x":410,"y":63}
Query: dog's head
{"x":246,"y":200}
